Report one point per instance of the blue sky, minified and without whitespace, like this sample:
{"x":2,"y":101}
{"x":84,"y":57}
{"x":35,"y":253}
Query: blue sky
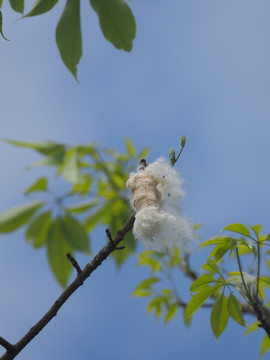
{"x":199,"y":68}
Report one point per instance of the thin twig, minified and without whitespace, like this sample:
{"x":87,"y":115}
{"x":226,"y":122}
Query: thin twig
{"x":86,"y":272}
{"x":74,"y":263}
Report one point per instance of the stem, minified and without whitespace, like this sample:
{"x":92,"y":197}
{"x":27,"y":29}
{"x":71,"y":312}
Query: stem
{"x":242,"y":276}
{"x":258,"y":271}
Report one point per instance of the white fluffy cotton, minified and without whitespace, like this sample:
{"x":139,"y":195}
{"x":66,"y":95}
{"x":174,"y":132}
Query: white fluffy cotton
{"x":161,"y":226}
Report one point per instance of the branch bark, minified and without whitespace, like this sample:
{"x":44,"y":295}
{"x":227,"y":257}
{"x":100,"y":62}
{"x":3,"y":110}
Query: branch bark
{"x":14,"y":349}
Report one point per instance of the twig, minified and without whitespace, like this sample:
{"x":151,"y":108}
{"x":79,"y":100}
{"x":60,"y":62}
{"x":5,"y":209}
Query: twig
{"x":109,"y":235}
{"x":15,"y":349}
{"x":74,"y":263}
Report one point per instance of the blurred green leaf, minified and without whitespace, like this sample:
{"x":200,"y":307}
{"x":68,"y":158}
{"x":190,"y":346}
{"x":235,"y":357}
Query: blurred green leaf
{"x":210,"y":266}
{"x":41,"y":7}
{"x":235,"y":310}
{"x":145,"y":258}
{"x":238,"y":228}
{"x":257,"y":229}
{"x":265,"y":281}
{"x":265,"y":345}
{"x":142,"y":292}
{"x":156,"y":306}
{"x":84,"y":185}
{"x":116,"y":21}
{"x":198,"y":300}
{"x":202,"y":282}
{"x":145,"y":286}
{"x":39,"y":185}
{"x":143,"y":154}
{"x":57,"y":249}
{"x":219,"y":251}
{"x":251,"y":328}
{"x":70,"y":169}
{"x":175,"y":257}
{"x":1,"y":26}
{"x":68,"y":35}
{"x":37,"y":232}
{"x":219,"y":241}
{"x":16,"y":217}
{"x":17,"y":5}
{"x":94,"y":218}
{"x":44,"y":147}
{"x":131,"y":151}
{"x":1,"y":2}
{"x":171,"y":312}
{"x":75,"y":233}
{"x":219,"y":316}
{"x":81,"y":206}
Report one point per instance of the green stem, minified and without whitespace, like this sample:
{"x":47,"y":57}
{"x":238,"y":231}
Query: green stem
{"x":242,"y":276}
{"x":179,"y":154}
{"x":258,"y":271}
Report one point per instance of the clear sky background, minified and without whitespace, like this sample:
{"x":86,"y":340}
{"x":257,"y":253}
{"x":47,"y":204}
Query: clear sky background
{"x":199,"y":68}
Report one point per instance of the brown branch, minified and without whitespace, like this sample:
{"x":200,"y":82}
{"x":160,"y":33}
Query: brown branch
{"x":14,"y":350}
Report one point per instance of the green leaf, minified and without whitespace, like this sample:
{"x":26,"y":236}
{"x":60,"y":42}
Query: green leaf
{"x":1,"y":26}
{"x":142,"y":292}
{"x":39,"y":185}
{"x":37,"y":232}
{"x":219,"y":251}
{"x":257,"y":229}
{"x":235,"y":310}
{"x":57,"y":249}
{"x":238,"y":228}
{"x":143,"y":154}
{"x":251,"y":328}
{"x":171,"y":312}
{"x":201,"y":282}
{"x":219,"y":316}
{"x":70,"y":169}
{"x":156,"y":305}
{"x":41,"y":7}
{"x":198,"y":300}
{"x":93,"y":219}
{"x":75,"y":233}
{"x":219,"y":241}
{"x":210,"y":266}
{"x":145,"y":259}
{"x":82,"y":206}
{"x":265,"y":345}
{"x":130,"y":148}
{"x":145,"y":286}
{"x":16,"y":217}
{"x":44,"y":147}
{"x":265,"y":281}
{"x":68,"y":36}
{"x":116,"y":21}
{"x":1,"y":2}
{"x":17,"y":5}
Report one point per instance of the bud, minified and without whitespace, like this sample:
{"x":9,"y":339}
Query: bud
{"x":172,"y":156}
{"x":183,"y":141}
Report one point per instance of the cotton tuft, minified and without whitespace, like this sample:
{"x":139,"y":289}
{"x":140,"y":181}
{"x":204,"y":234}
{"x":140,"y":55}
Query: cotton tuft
{"x":156,"y":192}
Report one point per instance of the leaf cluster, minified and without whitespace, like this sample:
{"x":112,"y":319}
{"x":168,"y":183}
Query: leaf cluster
{"x":219,"y":285}
{"x":163,"y":300}
{"x":96,"y":180}
{"x":115,"y":18}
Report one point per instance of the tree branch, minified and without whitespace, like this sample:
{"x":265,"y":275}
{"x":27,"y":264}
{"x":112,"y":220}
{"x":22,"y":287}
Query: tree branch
{"x":14,"y":350}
